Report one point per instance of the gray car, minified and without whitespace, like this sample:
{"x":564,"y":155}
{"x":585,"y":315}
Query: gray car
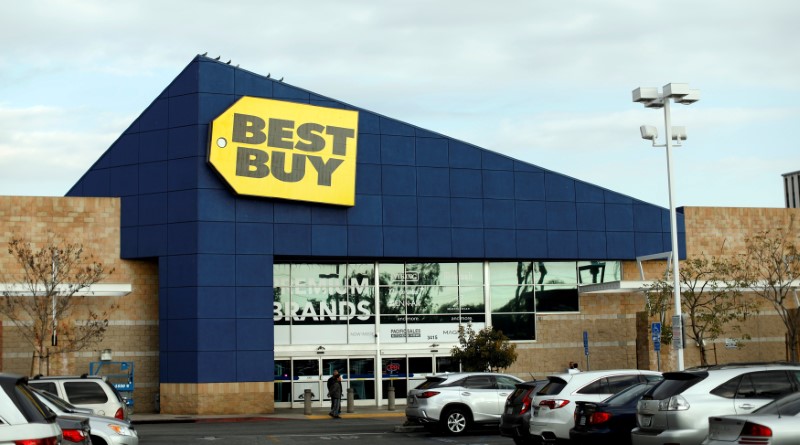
{"x":104,"y":430}
{"x":455,"y":402}
{"x":777,"y":423}
{"x":677,"y":409}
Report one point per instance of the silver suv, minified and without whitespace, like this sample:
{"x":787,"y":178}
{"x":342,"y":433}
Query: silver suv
{"x":86,"y":391}
{"x":677,"y":409}
{"x":454,"y":402}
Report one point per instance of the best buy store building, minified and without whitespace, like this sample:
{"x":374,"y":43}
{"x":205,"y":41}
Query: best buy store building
{"x":295,"y":234}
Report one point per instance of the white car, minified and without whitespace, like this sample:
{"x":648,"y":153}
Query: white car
{"x":22,"y":418}
{"x":86,"y":391}
{"x":454,"y":402}
{"x":554,"y":404}
{"x":104,"y":430}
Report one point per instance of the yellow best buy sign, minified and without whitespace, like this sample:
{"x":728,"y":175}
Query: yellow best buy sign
{"x":270,"y":148}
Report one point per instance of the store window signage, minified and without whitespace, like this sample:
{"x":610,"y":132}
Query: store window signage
{"x":276,"y":149}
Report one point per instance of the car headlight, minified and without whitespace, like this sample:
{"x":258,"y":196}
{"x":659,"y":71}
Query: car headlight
{"x":121,"y":430}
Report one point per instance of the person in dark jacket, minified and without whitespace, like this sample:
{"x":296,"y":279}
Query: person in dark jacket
{"x":335,"y":393}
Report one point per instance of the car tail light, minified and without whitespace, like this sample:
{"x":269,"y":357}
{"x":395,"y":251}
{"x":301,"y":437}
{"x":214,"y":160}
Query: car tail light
{"x":753,"y":433}
{"x":75,"y":436}
{"x":554,"y":403}
{"x":120,"y":414}
{"x":599,"y":417}
{"x":46,"y":441}
{"x":674,"y":403}
{"x":526,"y":402}
{"x":427,"y":394}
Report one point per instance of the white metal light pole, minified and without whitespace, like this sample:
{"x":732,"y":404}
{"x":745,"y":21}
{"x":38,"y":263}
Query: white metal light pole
{"x":651,"y":98}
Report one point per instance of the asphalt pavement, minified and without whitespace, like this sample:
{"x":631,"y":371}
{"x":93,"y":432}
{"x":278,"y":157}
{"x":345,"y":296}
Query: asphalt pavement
{"x":359,"y":412}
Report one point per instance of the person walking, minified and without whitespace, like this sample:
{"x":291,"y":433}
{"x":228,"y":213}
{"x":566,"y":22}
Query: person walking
{"x":335,"y":393}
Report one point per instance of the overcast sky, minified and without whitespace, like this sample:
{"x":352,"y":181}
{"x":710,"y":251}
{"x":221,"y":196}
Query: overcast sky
{"x":547,"y":82}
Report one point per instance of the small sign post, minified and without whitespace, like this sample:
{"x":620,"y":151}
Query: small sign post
{"x":586,"y":348}
{"x":655,"y":330}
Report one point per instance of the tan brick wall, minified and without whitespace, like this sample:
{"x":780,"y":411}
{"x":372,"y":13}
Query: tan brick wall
{"x":218,"y":398}
{"x":133,"y":328}
{"x":722,"y":230}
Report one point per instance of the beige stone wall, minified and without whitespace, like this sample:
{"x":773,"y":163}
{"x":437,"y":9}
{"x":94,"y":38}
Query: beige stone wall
{"x":216,"y":398}
{"x":133,"y":327}
{"x":722,"y":230}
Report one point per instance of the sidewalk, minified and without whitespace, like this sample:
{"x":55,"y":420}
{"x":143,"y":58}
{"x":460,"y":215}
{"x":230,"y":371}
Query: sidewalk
{"x":359,"y":412}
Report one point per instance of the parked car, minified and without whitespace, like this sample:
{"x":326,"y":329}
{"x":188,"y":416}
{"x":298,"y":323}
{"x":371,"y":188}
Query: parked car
{"x":22,"y":418}
{"x":609,"y":421}
{"x":554,"y":404}
{"x":74,"y":430}
{"x":677,"y":409}
{"x":455,"y":402}
{"x":515,"y":421}
{"x":104,"y":430}
{"x":776,"y":423}
{"x":93,"y":392}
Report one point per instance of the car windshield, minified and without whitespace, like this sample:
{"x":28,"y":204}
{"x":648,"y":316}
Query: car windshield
{"x":553,"y":387}
{"x":675,"y":383}
{"x":787,"y":406}
{"x":628,"y":394}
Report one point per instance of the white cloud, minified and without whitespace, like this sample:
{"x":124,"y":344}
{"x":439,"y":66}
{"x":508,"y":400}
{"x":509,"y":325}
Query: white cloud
{"x":546,"y":82}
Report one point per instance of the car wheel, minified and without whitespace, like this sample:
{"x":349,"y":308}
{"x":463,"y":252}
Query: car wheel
{"x":456,"y":421}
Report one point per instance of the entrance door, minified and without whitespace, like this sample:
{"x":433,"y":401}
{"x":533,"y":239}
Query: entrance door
{"x":294,"y":376}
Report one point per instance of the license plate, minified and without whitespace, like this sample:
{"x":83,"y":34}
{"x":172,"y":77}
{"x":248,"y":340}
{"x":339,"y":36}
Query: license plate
{"x":646,"y":421}
{"x":535,"y":411}
{"x":410,"y":400}
{"x":582,"y":421}
{"x":509,"y":410}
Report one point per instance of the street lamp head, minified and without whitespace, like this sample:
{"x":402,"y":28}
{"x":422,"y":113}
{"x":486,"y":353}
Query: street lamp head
{"x":649,"y":132}
{"x":692,"y":97}
{"x":675,"y":90}
{"x":645,"y":95}
{"x":679,"y":134}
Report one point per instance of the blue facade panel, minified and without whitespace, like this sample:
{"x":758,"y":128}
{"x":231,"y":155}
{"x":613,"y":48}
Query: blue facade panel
{"x":419,"y":195}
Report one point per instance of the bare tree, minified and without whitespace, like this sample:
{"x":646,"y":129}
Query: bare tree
{"x":45,"y":298}
{"x":712,"y":301}
{"x":771,"y":270}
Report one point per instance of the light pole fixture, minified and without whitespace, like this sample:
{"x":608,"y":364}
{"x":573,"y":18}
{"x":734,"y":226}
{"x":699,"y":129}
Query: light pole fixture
{"x":652,"y":98}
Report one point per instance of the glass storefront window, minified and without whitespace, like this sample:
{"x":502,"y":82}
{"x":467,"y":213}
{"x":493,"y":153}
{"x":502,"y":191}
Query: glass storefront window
{"x":555,"y":272}
{"x":516,"y":326}
{"x":590,"y":272}
{"x":471,"y":299}
{"x":362,"y":368}
{"x":470,"y":274}
{"x":512,"y":299}
{"x":510,"y":273}
{"x":557,"y":299}
{"x":306,"y":368}
{"x":334,"y":364}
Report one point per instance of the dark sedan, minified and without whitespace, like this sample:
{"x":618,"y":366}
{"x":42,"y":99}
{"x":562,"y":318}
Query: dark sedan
{"x":609,"y":421}
{"x":516,"y":416}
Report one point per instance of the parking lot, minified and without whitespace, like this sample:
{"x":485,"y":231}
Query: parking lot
{"x":285,"y":431}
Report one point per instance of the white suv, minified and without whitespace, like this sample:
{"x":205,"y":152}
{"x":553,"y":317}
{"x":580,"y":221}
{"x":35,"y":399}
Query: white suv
{"x":455,"y":401}
{"x":677,"y":409}
{"x":85,"y":391}
{"x":22,"y":418}
{"x":554,"y":404}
